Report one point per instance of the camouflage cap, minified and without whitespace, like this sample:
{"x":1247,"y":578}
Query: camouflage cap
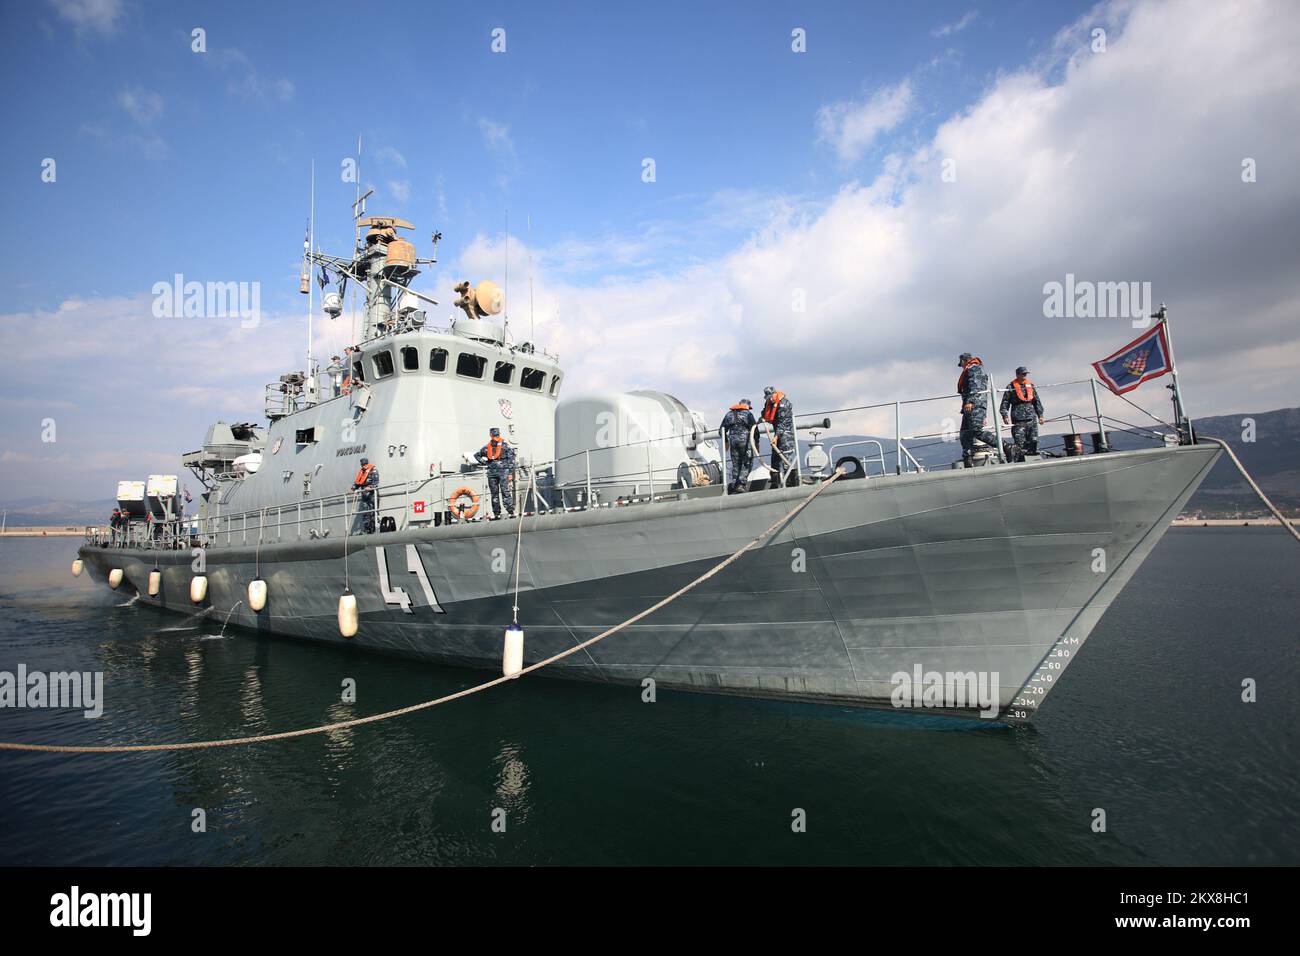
{"x":1021,"y":370}
{"x":964,"y":358}
{"x":494,"y":432}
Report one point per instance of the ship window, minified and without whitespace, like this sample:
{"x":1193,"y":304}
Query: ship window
{"x":533,"y":378}
{"x":504,"y":373}
{"x":357,"y":375}
{"x":383,"y":363}
{"x":438,"y":360}
{"x":471,"y":365}
{"x":555,"y":385}
{"x":306,"y":436}
{"x":410,"y":359}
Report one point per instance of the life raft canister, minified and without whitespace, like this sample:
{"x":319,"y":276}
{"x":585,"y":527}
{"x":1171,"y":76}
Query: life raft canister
{"x":464,"y":512}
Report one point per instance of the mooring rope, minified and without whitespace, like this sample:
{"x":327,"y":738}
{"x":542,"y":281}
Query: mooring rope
{"x":448,"y":698}
{"x":519,"y":544}
{"x":1245,"y":474}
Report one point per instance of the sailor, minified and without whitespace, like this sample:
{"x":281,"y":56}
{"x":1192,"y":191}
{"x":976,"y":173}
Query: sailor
{"x":499,"y":457}
{"x":1021,"y":400}
{"x":779,"y":413}
{"x":737,"y":425}
{"x":973,"y":386}
{"x":115,"y":523}
{"x":367,"y":480}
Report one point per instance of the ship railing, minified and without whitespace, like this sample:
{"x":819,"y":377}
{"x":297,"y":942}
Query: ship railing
{"x":428,"y":501}
{"x":866,"y":460}
{"x":1086,"y":414}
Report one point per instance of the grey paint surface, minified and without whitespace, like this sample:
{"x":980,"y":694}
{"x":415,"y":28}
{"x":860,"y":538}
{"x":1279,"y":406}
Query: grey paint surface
{"x":988,"y":569}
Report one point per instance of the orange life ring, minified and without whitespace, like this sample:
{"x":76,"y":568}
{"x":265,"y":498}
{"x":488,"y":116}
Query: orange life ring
{"x":463,"y":512}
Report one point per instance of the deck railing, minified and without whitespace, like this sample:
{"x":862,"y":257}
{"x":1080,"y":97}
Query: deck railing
{"x":427,"y":501}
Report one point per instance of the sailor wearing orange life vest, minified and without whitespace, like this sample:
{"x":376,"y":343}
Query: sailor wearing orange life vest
{"x":973,"y":387}
{"x":500,"y":460}
{"x":1020,"y":398}
{"x":737,"y":425}
{"x":779,"y":413}
{"x":368,"y":481}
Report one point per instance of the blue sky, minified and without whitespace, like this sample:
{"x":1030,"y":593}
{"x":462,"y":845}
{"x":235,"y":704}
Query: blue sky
{"x":202,"y":159}
{"x":780,"y":176}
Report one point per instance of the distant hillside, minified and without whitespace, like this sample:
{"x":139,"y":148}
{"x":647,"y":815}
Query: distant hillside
{"x":45,"y":512}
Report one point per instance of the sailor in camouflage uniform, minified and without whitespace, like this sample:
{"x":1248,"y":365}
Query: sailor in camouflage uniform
{"x":367,"y":482}
{"x":973,"y":386}
{"x":499,"y":457}
{"x":779,"y":413}
{"x":1021,"y":400}
{"x":737,"y":425}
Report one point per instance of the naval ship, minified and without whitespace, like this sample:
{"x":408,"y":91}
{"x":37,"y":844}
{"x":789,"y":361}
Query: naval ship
{"x":895,"y":570}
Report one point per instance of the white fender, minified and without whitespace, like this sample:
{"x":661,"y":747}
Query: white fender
{"x":257,"y":594}
{"x":199,"y":588}
{"x":155,"y":582}
{"x":77,"y":565}
{"x":512,"y":657}
{"x":348,"y":614}
{"x":115,"y":578}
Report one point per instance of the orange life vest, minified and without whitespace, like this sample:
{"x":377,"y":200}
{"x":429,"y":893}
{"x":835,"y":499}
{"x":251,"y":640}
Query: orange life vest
{"x":494,"y":448}
{"x":740,"y":408}
{"x":1025,"y":394}
{"x":961,"y":379}
{"x":769,"y":410}
{"x":364,"y":474}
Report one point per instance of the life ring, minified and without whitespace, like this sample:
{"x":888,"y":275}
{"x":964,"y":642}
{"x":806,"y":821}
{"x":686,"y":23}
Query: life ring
{"x":461,"y":511}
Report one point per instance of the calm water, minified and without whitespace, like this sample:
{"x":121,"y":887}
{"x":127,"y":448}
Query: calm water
{"x":1147,"y":724}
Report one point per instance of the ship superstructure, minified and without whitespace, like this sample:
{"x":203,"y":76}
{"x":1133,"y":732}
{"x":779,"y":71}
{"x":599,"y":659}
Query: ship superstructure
{"x":989,"y":572}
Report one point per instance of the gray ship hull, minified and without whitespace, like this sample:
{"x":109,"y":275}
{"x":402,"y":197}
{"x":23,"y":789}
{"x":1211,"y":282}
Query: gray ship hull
{"x":994,"y":571}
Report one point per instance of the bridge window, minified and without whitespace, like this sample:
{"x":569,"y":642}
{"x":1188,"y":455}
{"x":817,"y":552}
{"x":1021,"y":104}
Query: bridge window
{"x":471,"y":365}
{"x":438,"y":360}
{"x":555,"y":385}
{"x":383,"y":363}
{"x":505,"y":371}
{"x":410,"y":359}
{"x":357,"y":374}
{"x":532,"y":378}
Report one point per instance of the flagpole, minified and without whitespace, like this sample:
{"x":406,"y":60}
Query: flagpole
{"x":1180,"y":416}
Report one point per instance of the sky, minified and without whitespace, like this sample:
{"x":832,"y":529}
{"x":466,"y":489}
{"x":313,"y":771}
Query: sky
{"x":844,"y":197}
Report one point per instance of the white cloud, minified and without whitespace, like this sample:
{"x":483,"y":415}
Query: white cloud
{"x":400,"y":189}
{"x":247,"y":81}
{"x":496,"y":137}
{"x":90,"y":16}
{"x":387,"y":154}
{"x":1117,"y":166}
{"x":956,"y":26}
{"x":143,"y":106}
{"x":850,"y":126}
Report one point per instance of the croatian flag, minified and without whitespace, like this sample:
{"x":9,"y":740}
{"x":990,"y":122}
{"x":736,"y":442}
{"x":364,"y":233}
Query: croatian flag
{"x":1144,"y":358}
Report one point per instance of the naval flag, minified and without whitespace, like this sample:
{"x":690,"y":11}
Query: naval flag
{"x":1146,"y":357}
